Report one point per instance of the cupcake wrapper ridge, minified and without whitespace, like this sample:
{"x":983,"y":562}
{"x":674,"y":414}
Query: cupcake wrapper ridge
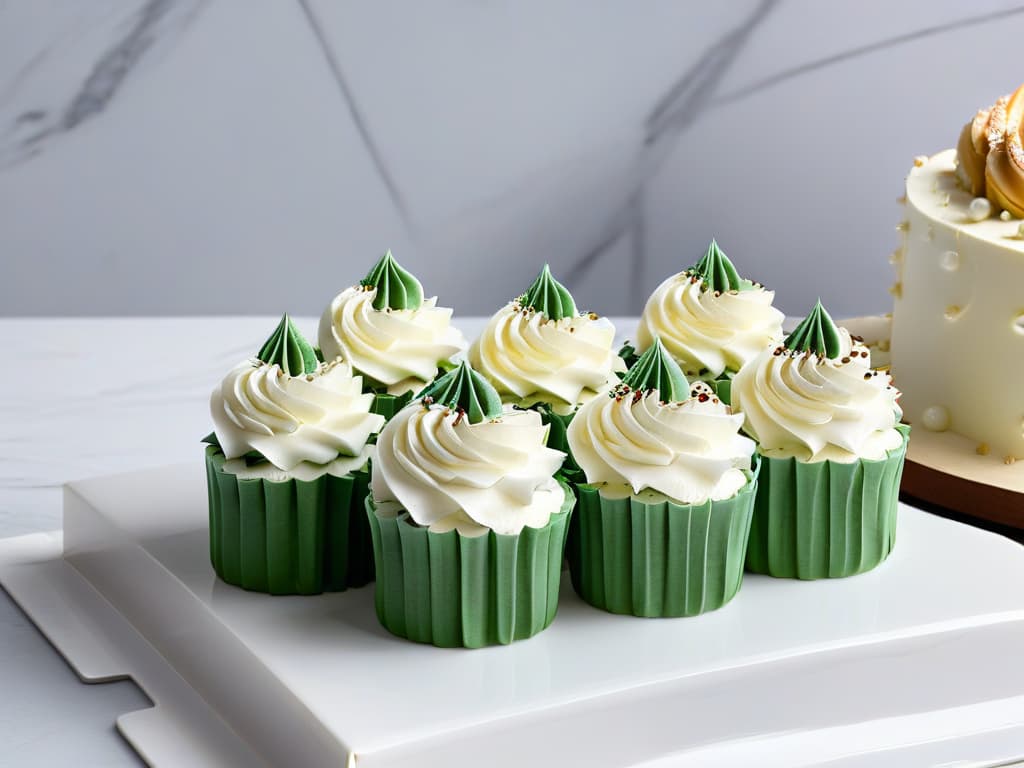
{"x":288,"y":537}
{"x":466,"y":591}
{"x":827,"y":519}
{"x":659,"y":559}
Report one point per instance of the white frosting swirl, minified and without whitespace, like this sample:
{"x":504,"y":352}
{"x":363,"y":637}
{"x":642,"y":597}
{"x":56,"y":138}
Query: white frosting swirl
{"x":303,"y":425}
{"x":447,"y":473}
{"x":397,"y":348}
{"x":689,"y":451}
{"x":530,"y":358}
{"x":816,"y":408}
{"x":708,"y":334}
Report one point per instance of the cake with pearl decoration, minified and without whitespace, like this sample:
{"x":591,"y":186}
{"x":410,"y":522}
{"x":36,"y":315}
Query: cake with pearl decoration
{"x":958,"y":308}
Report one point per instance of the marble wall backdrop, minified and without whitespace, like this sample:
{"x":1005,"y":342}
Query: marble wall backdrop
{"x":254,"y":156}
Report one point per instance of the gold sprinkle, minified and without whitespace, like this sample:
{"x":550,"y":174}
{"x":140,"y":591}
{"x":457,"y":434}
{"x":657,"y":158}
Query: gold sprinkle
{"x":902,"y":199}
{"x":903,"y":226}
{"x":896,"y":289}
{"x":883,"y":345}
{"x":1009,"y":459}
{"x":920,"y":160}
{"x":982,"y":449}
{"x":952,"y":312}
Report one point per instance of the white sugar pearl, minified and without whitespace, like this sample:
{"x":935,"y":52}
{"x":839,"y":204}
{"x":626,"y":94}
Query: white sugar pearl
{"x":935,"y":418}
{"x":979,"y":209}
{"x":950,"y":261}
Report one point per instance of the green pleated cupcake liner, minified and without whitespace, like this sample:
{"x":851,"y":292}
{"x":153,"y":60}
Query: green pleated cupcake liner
{"x":288,"y":537}
{"x":388,"y":405}
{"x":825,"y":519}
{"x":659,"y":559}
{"x":466,"y":591}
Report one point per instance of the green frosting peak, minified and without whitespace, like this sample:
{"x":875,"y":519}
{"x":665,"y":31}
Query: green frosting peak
{"x":465,"y":389}
{"x":396,"y":287}
{"x":717,"y":273}
{"x":550,"y":297}
{"x":657,"y":370}
{"x":289,"y":349}
{"x":817,"y":333}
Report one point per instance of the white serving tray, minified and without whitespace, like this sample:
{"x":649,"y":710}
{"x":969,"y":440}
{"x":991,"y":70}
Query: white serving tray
{"x":915,"y":663}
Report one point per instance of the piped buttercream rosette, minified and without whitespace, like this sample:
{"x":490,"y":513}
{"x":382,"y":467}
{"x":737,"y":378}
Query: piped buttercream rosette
{"x":297,"y":413}
{"x":816,"y":397}
{"x":457,"y":459}
{"x":540,"y":349}
{"x":388,"y":331}
{"x":710,"y":319}
{"x":653,"y":432}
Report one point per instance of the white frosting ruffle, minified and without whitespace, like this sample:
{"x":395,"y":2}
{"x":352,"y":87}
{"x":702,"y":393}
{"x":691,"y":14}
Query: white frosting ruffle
{"x":708,"y":334}
{"x":398,"y":348}
{"x":530,"y":358}
{"x":815,"y":408}
{"x":690,"y":451}
{"x":447,"y":473}
{"x":293,"y":420}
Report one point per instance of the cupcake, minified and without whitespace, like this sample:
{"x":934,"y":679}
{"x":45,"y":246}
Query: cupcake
{"x":394,"y":338}
{"x":538,"y":351}
{"x":662,"y":523}
{"x":711,"y":320}
{"x":286,"y":471}
{"x":468,"y":520}
{"x":832,"y":452}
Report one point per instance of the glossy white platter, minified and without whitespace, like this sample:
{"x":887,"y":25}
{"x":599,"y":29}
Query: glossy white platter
{"x":913,"y":663}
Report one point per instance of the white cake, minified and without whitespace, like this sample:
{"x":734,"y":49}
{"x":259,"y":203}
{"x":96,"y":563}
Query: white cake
{"x":958,"y":314}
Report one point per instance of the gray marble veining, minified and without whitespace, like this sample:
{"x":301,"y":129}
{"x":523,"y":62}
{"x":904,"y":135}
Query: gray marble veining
{"x":219,"y":156}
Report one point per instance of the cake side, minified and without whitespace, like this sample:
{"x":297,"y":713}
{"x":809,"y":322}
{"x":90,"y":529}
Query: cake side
{"x":958,"y":313}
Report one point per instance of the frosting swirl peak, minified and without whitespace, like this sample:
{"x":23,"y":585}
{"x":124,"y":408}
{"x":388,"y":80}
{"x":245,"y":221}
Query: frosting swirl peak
{"x":717,"y":273}
{"x":549,"y":297}
{"x":288,"y":349}
{"x":657,"y":370}
{"x":395,"y":287}
{"x":465,"y":390}
{"x":816,"y":333}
